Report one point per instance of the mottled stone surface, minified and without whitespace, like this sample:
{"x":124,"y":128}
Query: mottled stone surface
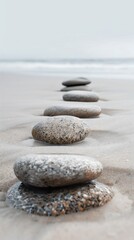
{"x":81,"y":96}
{"x":76,"y":88}
{"x":60,"y":130}
{"x":81,"y":112}
{"x":76,"y":82}
{"x":55,"y":202}
{"x":41,"y":170}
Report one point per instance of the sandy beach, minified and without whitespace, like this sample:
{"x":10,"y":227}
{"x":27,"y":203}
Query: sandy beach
{"x":23,"y":101}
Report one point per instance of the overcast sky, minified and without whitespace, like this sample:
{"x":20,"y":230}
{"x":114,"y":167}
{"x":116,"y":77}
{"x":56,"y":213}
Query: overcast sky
{"x":40,"y":29}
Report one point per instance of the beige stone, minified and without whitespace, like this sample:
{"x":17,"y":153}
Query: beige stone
{"x":42,"y":170}
{"x":60,"y":130}
{"x":81,"y":111}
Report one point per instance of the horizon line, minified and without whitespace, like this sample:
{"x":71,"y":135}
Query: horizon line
{"x":67,"y":59}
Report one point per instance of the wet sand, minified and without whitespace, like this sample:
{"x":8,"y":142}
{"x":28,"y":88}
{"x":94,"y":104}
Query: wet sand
{"x":23,"y":101}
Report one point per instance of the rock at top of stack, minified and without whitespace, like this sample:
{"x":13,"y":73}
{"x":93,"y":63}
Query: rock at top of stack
{"x":52,"y":170}
{"x":81,"y":111}
{"x":60,"y":130}
{"x":76,"y":82}
{"x":81,"y":96}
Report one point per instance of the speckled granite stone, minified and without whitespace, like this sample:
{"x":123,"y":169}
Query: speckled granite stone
{"x":55,"y":202}
{"x":60,"y":130}
{"x":81,"y":96}
{"x":76,"y":88}
{"x":81,"y":112}
{"x":76,"y":82}
{"x":40,"y":170}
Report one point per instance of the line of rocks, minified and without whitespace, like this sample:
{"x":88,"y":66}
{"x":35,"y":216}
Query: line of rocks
{"x":57,"y":184}
{"x":78,"y":95}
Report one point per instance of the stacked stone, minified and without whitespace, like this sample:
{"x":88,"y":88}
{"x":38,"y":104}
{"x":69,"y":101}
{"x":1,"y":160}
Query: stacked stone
{"x":76,"y":111}
{"x":60,"y":130}
{"x":76,"y":84}
{"x":54,"y":185}
{"x":81,"y":96}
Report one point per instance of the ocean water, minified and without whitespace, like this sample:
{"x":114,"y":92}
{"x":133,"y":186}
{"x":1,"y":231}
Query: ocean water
{"x":121,"y":68}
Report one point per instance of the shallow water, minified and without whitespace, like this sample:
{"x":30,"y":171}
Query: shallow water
{"x":102,"y":68}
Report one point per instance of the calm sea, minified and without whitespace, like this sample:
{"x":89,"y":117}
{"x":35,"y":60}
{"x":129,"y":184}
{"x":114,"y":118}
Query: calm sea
{"x":86,"y":67}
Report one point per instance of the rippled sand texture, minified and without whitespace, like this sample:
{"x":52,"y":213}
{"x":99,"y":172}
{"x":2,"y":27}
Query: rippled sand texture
{"x":111,"y":141}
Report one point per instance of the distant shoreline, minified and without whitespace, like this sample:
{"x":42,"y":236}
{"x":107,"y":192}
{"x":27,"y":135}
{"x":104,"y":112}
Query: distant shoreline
{"x":71,"y":60}
{"x":102,"y":68}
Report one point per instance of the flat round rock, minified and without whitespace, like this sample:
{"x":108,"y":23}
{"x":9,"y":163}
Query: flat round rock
{"x":81,"y":96}
{"x":60,"y":130}
{"x":52,"y":170}
{"x":58,"y":201}
{"x":80,"y":112}
{"x":76,"y":88}
{"x":76,"y":82}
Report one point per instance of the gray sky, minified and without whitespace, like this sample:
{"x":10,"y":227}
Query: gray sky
{"x":41,"y":29}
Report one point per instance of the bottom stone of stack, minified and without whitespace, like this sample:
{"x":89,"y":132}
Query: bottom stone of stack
{"x":58,"y":201}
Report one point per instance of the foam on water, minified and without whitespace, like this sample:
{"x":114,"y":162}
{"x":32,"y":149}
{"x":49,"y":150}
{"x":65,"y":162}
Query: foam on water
{"x":93,"y":67}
